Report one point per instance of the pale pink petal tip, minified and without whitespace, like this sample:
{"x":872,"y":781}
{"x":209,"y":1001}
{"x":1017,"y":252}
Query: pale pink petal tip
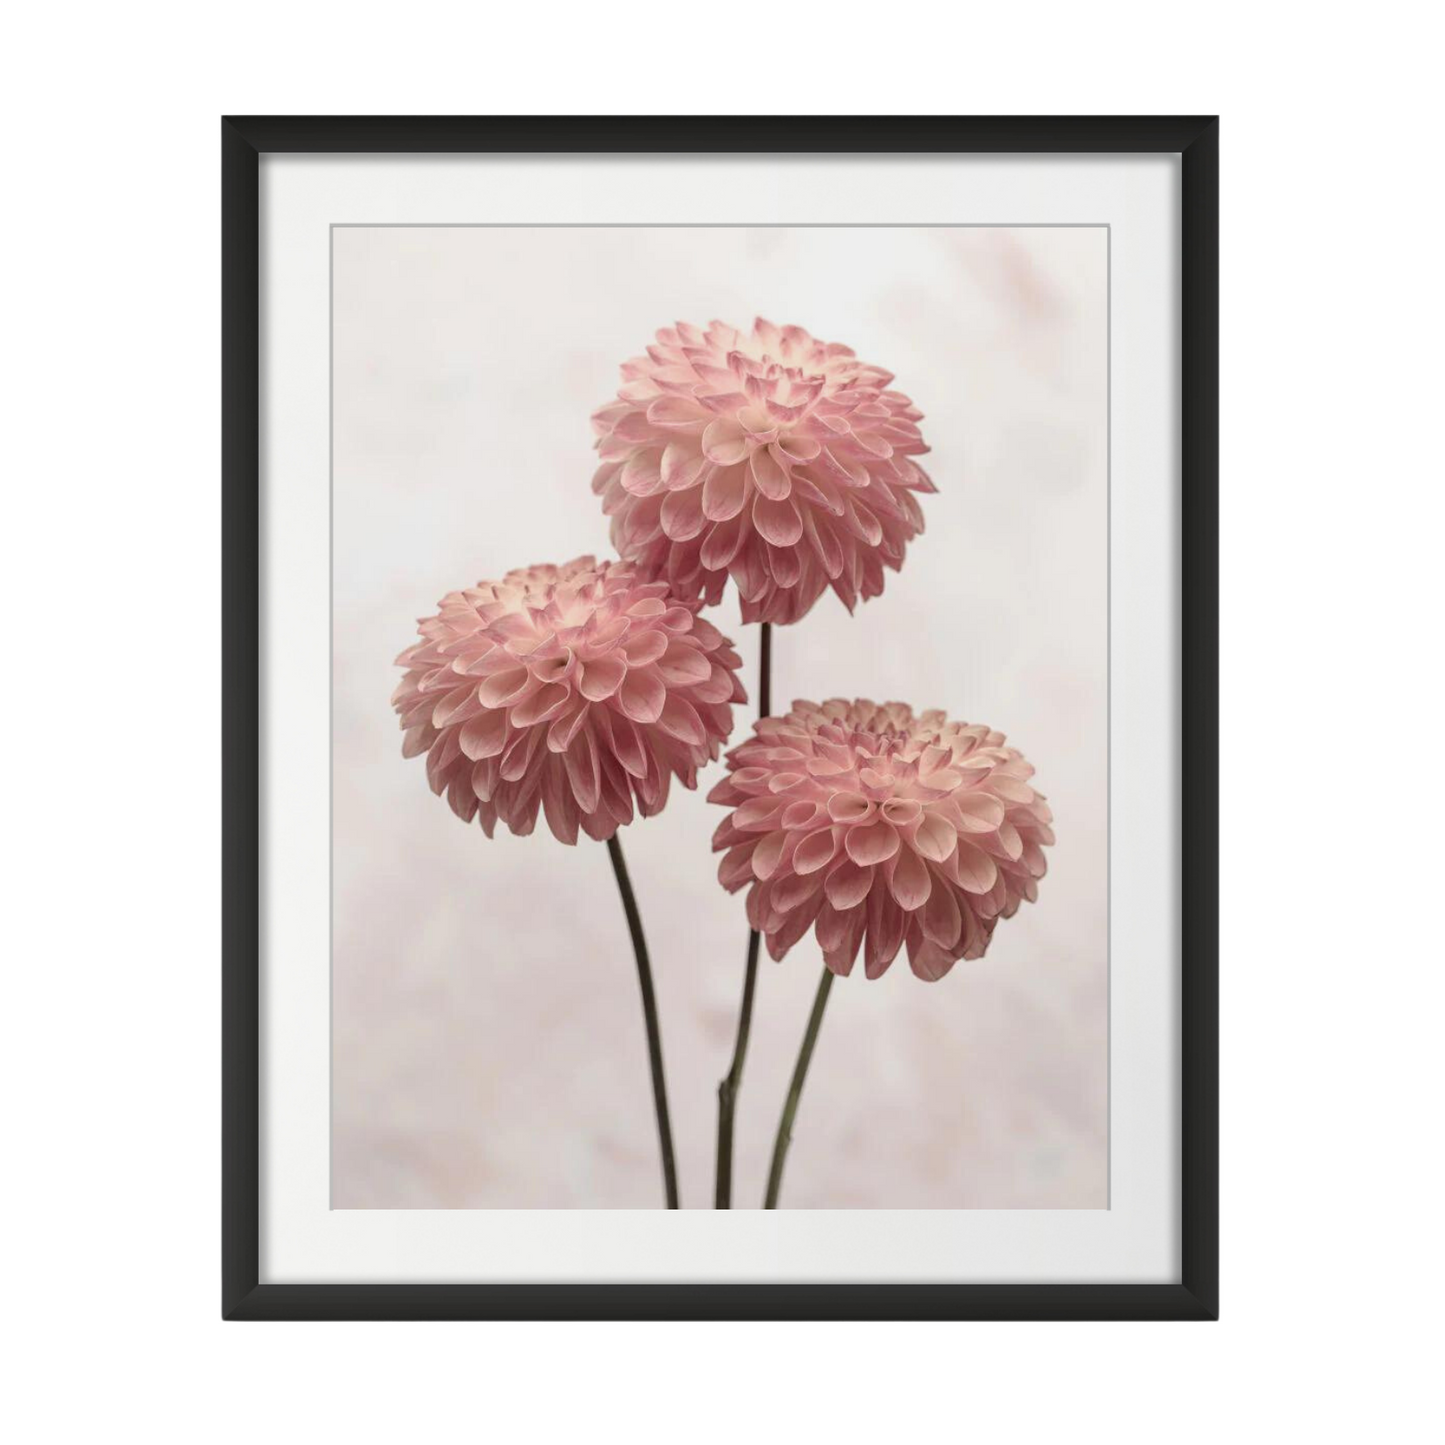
{"x":880,"y":830}
{"x":579,"y":692}
{"x":766,"y":456}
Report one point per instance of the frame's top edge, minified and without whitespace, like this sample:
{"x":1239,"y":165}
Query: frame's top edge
{"x":713,"y":134}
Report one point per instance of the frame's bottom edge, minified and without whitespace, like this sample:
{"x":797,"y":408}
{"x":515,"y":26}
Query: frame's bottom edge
{"x":719,"y":1302}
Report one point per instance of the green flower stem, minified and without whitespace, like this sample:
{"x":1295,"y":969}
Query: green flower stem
{"x":795,"y":1090}
{"x":649,"y":1012}
{"x":727,"y":1090}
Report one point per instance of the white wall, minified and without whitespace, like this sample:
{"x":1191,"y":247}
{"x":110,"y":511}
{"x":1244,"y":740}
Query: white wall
{"x":109,"y":1071}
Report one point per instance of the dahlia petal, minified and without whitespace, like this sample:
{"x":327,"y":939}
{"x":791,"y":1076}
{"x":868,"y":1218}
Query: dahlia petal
{"x":736,"y":868}
{"x":583,"y":773}
{"x":941,"y":919}
{"x":934,"y":838}
{"x":778,"y":522}
{"x":803,"y":816}
{"x":784,"y":782}
{"x":600,"y":678}
{"x":724,"y":441}
{"x":825,"y":543}
{"x":679,"y":719}
{"x":722,"y":403}
{"x":760,"y":814}
{"x":488,"y":664}
{"x":756,"y":906}
{"x":524,"y":815}
{"x":460,"y":797}
{"x":682,"y":515}
{"x":628,"y":745}
{"x":565,"y":727}
{"x":887,"y":925}
{"x":417,"y":740}
{"x":1034,"y":860}
{"x":558,"y":803}
{"x":815,"y":851}
{"x":682,"y":465}
{"x":503,"y":689}
{"x":484,"y":780}
{"x":598,"y":826}
{"x":640,"y":473}
{"x":979,"y":812}
{"x":849,"y":469}
{"x":861,"y":521}
{"x":799,"y":915}
{"x":849,"y":807}
{"x":869,"y":843}
{"x":799,"y":446}
{"x":554,"y":669}
{"x":975,"y":870}
{"x":751,"y":779}
{"x":725,"y":492}
{"x":639,"y":391}
{"x":785,"y":565}
{"x":768,"y":854}
{"x":1012,"y":790}
{"x":820,"y":491}
{"x":747,"y":571}
{"x":517,"y":755}
{"x":677,"y":412}
{"x":832,"y":927}
{"x":720,"y":686}
{"x":901,"y":812}
{"x":769,"y":478}
{"x":722,"y":543}
{"x":642,"y":648}
{"x":840,"y":960}
{"x":682,"y":665}
{"x":457,"y":706}
{"x":541,"y":706}
{"x":607,"y":417}
{"x":930,"y":962}
{"x":484,"y":736}
{"x":944,"y":780}
{"x":848,"y":885}
{"x":634,"y":427}
{"x":909,"y":880}
{"x":642,"y":695}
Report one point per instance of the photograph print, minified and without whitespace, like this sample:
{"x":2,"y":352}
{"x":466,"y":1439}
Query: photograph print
{"x":720,"y":677}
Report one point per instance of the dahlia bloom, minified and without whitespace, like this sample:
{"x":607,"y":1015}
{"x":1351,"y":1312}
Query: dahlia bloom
{"x":874,"y":826}
{"x":572,"y":689}
{"x":769,"y":457}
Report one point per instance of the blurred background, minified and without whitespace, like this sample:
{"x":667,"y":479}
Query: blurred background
{"x":487,"y":1040}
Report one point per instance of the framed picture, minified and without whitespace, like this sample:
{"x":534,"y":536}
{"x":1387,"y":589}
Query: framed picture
{"x":720,"y":717}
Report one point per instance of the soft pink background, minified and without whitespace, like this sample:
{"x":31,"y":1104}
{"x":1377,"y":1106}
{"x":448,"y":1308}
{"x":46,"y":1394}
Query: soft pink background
{"x":487,"y":1044}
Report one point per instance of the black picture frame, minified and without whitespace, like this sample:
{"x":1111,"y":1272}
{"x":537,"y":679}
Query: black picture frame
{"x":244,"y":139}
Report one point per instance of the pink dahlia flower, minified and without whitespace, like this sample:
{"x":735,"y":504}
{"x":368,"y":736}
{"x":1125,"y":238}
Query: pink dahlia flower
{"x":864,"y":822}
{"x":572,"y":689}
{"x":781,"y":461}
